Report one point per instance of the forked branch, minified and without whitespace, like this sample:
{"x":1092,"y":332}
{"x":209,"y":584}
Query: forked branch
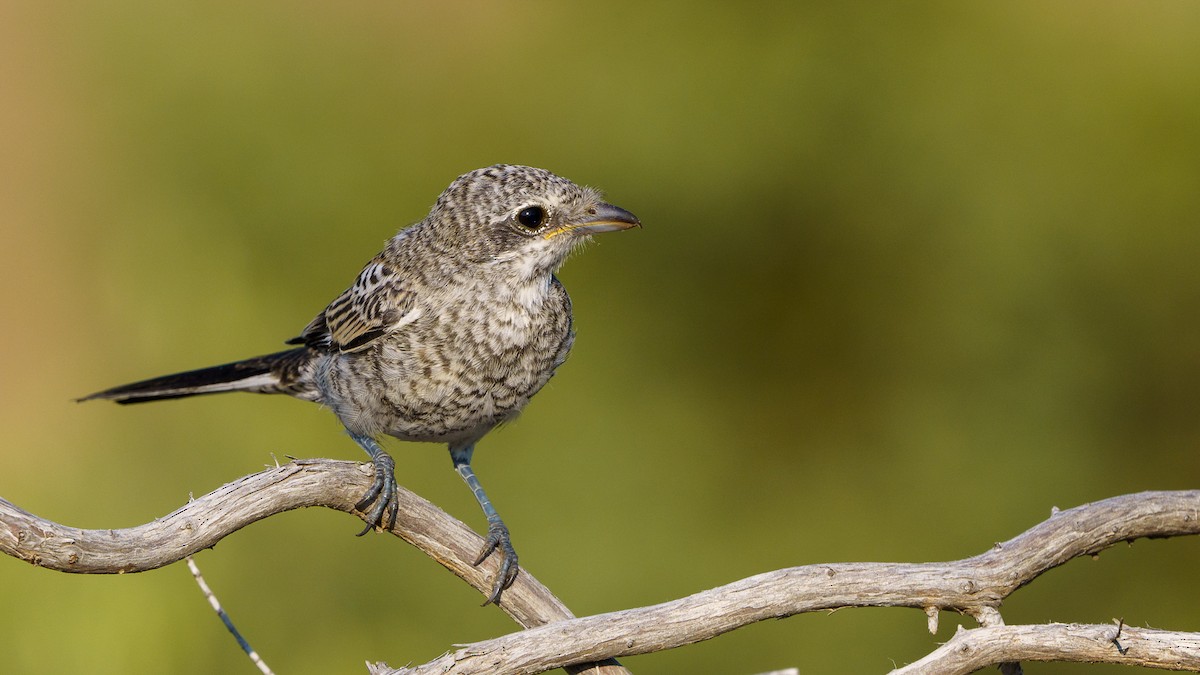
{"x":973,"y":585}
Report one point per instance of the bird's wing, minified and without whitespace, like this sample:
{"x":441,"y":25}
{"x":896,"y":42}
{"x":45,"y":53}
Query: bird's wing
{"x":379,"y":302}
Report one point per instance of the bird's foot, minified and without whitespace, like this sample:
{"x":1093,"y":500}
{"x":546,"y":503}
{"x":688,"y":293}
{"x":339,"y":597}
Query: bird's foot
{"x":506,"y":574}
{"x":382,"y":493}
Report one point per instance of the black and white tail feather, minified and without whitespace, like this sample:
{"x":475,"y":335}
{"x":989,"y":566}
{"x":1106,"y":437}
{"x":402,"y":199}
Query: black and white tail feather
{"x":279,"y":373}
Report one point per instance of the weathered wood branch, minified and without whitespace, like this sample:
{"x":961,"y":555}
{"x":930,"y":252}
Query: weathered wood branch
{"x":203,"y":522}
{"x":974,"y":585}
{"x":977,"y":648}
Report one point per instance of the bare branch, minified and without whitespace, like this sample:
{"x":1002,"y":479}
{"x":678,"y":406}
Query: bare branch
{"x":972,"y":650}
{"x":319,"y":482}
{"x":976,"y":585}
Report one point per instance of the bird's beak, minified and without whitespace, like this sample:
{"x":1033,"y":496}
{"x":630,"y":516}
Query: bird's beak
{"x":600,"y":218}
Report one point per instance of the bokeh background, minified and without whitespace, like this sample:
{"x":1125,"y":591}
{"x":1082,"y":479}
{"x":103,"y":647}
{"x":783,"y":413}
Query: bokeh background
{"x":910,"y":277}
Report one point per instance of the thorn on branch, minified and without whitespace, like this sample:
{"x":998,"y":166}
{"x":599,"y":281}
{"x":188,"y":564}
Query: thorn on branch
{"x":1116,"y":638}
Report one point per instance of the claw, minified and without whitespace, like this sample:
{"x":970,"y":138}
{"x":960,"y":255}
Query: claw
{"x":383,"y":494}
{"x":506,"y":574}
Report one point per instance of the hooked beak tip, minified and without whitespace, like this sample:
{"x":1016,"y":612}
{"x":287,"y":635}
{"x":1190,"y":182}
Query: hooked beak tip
{"x":606,"y":218}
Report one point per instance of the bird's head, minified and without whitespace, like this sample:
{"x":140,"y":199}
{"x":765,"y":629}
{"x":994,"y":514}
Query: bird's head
{"x":521,"y":216}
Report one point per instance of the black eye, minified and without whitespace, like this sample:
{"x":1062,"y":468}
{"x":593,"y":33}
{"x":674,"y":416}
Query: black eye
{"x":532,"y":217}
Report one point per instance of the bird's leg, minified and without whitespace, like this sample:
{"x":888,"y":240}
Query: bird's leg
{"x":383,"y":490}
{"x":497,"y":538}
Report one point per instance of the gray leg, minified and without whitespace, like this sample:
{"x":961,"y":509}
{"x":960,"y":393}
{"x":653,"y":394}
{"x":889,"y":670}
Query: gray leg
{"x":497,"y":538}
{"x":383,"y":490}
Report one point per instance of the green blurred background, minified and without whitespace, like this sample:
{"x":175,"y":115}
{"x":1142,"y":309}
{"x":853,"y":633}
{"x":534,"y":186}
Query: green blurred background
{"x":910,"y":278}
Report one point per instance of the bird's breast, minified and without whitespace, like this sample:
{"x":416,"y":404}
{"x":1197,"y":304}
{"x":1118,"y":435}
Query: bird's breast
{"x":469,"y":362}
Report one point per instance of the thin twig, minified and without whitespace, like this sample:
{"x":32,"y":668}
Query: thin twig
{"x":216,"y":605}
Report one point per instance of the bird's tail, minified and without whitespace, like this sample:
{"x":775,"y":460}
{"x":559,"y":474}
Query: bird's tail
{"x":287,"y":372}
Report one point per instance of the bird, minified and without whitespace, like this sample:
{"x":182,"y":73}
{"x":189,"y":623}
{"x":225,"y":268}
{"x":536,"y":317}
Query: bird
{"x":443,"y":336}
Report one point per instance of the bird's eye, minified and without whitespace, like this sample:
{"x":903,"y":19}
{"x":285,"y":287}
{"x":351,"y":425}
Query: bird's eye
{"x":532,"y":217}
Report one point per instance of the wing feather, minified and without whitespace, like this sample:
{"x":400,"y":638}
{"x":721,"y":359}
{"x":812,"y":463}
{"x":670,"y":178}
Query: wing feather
{"x":376,"y":304}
